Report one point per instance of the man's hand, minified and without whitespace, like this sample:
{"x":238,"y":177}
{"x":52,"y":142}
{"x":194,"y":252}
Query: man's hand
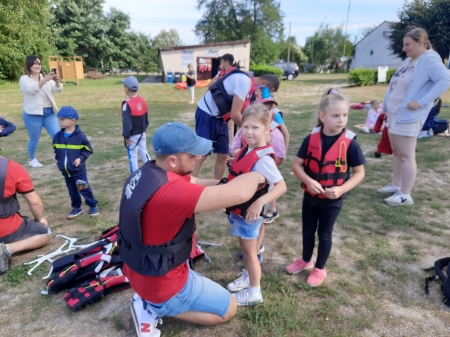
{"x":77,"y":162}
{"x":128,"y":142}
{"x":334,"y":192}
{"x":43,"y":221}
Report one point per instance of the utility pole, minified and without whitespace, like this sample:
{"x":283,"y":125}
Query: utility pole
{"x":289,"y":43}
{"x":346,"y":24}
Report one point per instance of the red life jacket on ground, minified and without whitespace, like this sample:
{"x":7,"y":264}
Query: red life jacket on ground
{"x":243,"y":164}
{"x":139,"y":112}
{"x":333,"y":170}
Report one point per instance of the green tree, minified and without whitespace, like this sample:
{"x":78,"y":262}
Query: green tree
{"x":261,"y":21}
{"x":144,"y":53}
{"x":23,"y":31}
{"x":168,"y":38}
{"x":432,"y":15}
{"x":296,"y":53}
{"x":326,"y":47}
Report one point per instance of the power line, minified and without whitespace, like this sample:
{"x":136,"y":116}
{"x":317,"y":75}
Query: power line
{"x":346,"y":24}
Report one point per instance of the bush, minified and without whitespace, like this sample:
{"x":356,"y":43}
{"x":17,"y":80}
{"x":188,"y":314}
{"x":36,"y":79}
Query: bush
{"x":95,"y":75}
{"x":262,"y":69}
{"x":362,"y":77}
{"x":389,"y":75}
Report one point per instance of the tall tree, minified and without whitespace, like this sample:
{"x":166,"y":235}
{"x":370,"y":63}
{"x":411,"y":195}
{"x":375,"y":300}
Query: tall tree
{"x":168,"y":38}
{"x":144,"y":53}
{"x":326,"y":47}
{"x":23,"y":31}
{"x":296,"y":53}
{"x":261,"y":21}
{"x":432,"y":15}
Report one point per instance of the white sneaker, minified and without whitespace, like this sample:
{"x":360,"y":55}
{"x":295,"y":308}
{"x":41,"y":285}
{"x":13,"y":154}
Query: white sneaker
{"x":145,"y":320}
{"x":389,"y":188}
{"x":399,"y":199}
{"x":244,"y":298}
{"x":240,"y":283}
{"x":365,"y":129}
{"x":34,"y":163}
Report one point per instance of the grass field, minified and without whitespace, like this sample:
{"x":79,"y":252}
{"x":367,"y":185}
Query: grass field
{"x":375,"y":276}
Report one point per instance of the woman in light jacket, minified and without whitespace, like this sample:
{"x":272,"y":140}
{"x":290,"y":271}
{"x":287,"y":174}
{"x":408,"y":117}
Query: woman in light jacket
{"x":39,"y":106}
{"x":419,"y":80}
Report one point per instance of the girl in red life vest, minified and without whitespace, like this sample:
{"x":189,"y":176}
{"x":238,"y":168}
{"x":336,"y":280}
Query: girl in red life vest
{"x":246,"y":219}
{"x":323,"y":165}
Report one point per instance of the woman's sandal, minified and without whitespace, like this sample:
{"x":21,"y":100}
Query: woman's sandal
{"x":270,"y":216}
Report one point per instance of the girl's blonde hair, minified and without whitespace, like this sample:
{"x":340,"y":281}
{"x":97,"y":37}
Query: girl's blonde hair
{"x":419,"y":34}
{"x":374,"y":101}
{"x":327,"y":103}
{"x":258,"y":110}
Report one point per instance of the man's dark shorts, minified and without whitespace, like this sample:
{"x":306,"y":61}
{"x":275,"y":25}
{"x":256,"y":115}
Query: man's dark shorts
{"x":27,"y":229}
{"x":214,"y":129}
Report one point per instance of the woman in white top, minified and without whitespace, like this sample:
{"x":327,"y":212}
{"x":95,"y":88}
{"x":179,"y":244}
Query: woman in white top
{"x":39,"y":107}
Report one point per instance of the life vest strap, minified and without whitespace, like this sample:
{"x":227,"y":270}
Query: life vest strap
{"x":155,"y":250}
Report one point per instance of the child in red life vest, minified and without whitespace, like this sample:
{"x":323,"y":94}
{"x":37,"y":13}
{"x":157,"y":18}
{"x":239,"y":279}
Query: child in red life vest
{"x":323,"y":165}
{"x":246,"y":218}
{"x":135,"y":123}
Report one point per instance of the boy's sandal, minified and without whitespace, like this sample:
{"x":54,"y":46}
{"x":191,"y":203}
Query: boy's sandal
{"x":270,"y":216}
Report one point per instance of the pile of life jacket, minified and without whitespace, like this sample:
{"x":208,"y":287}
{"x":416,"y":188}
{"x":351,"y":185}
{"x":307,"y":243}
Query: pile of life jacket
{"x":91,"y":273}
{"x":202,"y":68}
{"x":442,"y":277}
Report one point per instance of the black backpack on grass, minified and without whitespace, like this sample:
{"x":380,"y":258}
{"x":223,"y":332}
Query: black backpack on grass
{"x":442,"y":277}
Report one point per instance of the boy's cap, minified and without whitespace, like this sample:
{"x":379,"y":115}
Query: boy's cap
{"x":265,"y":100}
{"x":68,"y":112}
{"x":131,"y":83}
{"x":173,"y":138}
{"x":227,"y":57}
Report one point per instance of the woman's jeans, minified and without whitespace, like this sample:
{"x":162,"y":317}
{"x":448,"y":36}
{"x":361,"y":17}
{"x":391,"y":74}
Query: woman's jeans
{"x":34,"y":124}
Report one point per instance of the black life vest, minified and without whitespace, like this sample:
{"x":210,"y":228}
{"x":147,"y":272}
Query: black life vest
{"x":220,"y":95}
{"x":444,"y":278}
{"x":149,"y":260}
{"x":333,"y":170}
{"x":139,"y":114}
{"x":243,"y":164}
{"x":10,"y":205}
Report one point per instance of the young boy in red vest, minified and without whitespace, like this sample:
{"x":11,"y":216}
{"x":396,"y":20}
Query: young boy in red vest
{"x":135,"y":123}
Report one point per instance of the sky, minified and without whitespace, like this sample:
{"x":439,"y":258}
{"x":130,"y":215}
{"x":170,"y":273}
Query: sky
{"x":305,"y":16}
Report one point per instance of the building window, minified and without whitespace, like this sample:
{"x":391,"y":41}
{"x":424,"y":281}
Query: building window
{"x":371,"y":52}
{"x":386,"y":33}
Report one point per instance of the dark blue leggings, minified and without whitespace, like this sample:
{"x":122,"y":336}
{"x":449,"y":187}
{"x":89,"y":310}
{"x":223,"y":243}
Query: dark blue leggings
{"x":320,"y":218}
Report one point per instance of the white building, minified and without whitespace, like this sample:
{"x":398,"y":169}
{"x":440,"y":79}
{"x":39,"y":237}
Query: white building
{"x":373,"y":50}
{"x":205,"y":57}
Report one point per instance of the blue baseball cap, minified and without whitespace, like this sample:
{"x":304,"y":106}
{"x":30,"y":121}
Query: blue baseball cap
{"x":131,"y":82}
{"x":175,"y":137}
{"x":68,"y":112}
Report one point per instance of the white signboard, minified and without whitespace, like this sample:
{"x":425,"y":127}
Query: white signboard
{"x":187,"y":57}
{"x":382,"y":74}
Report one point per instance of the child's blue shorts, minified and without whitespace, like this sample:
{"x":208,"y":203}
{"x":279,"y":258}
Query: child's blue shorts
{"x":243,"y":229}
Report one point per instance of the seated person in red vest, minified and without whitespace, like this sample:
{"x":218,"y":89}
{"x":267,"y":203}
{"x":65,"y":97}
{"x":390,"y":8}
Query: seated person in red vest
{"x":157,"y":221}
{"x":323,"y":165}
{"x":19,"y":233}
{"x":135,"y":123}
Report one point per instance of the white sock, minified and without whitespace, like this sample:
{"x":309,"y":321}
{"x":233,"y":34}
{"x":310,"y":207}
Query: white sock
{"x":254,"y":290}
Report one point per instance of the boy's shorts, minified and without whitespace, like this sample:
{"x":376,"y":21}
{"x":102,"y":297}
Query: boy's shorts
{"x":244,"y":229}
{"x":214,"y":129}
{"x":27,"y":229}
{"x":199,"y":294}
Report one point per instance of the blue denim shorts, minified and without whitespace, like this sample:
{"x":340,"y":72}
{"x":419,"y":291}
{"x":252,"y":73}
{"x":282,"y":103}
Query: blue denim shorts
{"x":199,"y":294}
{"x":244,"y":229}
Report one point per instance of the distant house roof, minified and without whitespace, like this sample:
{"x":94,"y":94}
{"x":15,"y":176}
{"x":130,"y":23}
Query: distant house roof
{"x":216,"y":44}
{"x":374,"y":29}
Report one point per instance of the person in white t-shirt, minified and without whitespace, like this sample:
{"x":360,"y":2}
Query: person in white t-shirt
{"x":209,"y":121}
{"x":246,"y":219}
